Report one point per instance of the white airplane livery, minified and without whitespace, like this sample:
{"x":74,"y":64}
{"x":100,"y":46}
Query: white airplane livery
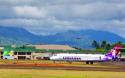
{"x":78,"y":57}
{"x":88,"y":58}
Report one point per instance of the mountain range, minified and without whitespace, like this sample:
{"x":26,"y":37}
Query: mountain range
{"x":79,"y":38}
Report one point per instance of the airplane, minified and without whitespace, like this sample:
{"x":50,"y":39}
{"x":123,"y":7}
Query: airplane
{"x":114,"y":54}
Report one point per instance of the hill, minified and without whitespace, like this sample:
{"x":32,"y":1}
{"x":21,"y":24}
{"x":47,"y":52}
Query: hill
{"x":80,"y":38}
{"x":83,"y":38}
{"x":14,"y":35}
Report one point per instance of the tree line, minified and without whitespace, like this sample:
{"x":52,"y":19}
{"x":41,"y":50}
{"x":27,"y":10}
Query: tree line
{"x":104,"y":45}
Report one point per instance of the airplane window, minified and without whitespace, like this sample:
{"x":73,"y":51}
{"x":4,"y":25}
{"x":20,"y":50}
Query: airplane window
{"x":77,"y":58}
{"x":67,"y":57}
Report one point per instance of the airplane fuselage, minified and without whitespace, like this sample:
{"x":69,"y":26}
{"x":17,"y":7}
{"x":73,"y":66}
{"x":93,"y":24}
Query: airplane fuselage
{"x":78,"y":57}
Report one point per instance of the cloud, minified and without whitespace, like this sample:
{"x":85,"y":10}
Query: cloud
{"x":30,"y":12}
{"x":94,"y":11}
{"x":55,"y":2}
{"x":50,"y":17}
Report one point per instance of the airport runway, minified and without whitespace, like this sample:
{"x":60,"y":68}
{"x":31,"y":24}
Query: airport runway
{"x":109,"y":66}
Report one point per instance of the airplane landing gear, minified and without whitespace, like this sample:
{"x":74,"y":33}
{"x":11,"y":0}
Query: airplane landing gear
{"x":89,"y":62}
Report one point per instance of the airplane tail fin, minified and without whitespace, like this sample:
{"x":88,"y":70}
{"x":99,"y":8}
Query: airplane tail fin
{"x":114,"y":53}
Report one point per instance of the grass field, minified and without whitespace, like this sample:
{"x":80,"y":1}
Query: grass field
{"x":36,"y":73}
{"x":53,"y":73}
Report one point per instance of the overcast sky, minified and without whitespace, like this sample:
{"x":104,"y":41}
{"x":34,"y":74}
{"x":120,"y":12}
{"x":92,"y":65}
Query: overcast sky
{"x":52,"y":16}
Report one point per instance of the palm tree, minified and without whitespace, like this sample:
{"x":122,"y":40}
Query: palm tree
{"x":119,"y":42}
{"x":103,"y":44}
{"x":108,"y":46}
{"x":95,"y":44}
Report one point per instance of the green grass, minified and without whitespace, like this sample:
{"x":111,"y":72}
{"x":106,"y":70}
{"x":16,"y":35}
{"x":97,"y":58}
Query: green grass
{"x":36,"y":73}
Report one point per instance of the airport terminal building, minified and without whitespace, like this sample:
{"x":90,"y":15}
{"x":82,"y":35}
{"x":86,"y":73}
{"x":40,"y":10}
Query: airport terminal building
{"x":34,"y":52}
